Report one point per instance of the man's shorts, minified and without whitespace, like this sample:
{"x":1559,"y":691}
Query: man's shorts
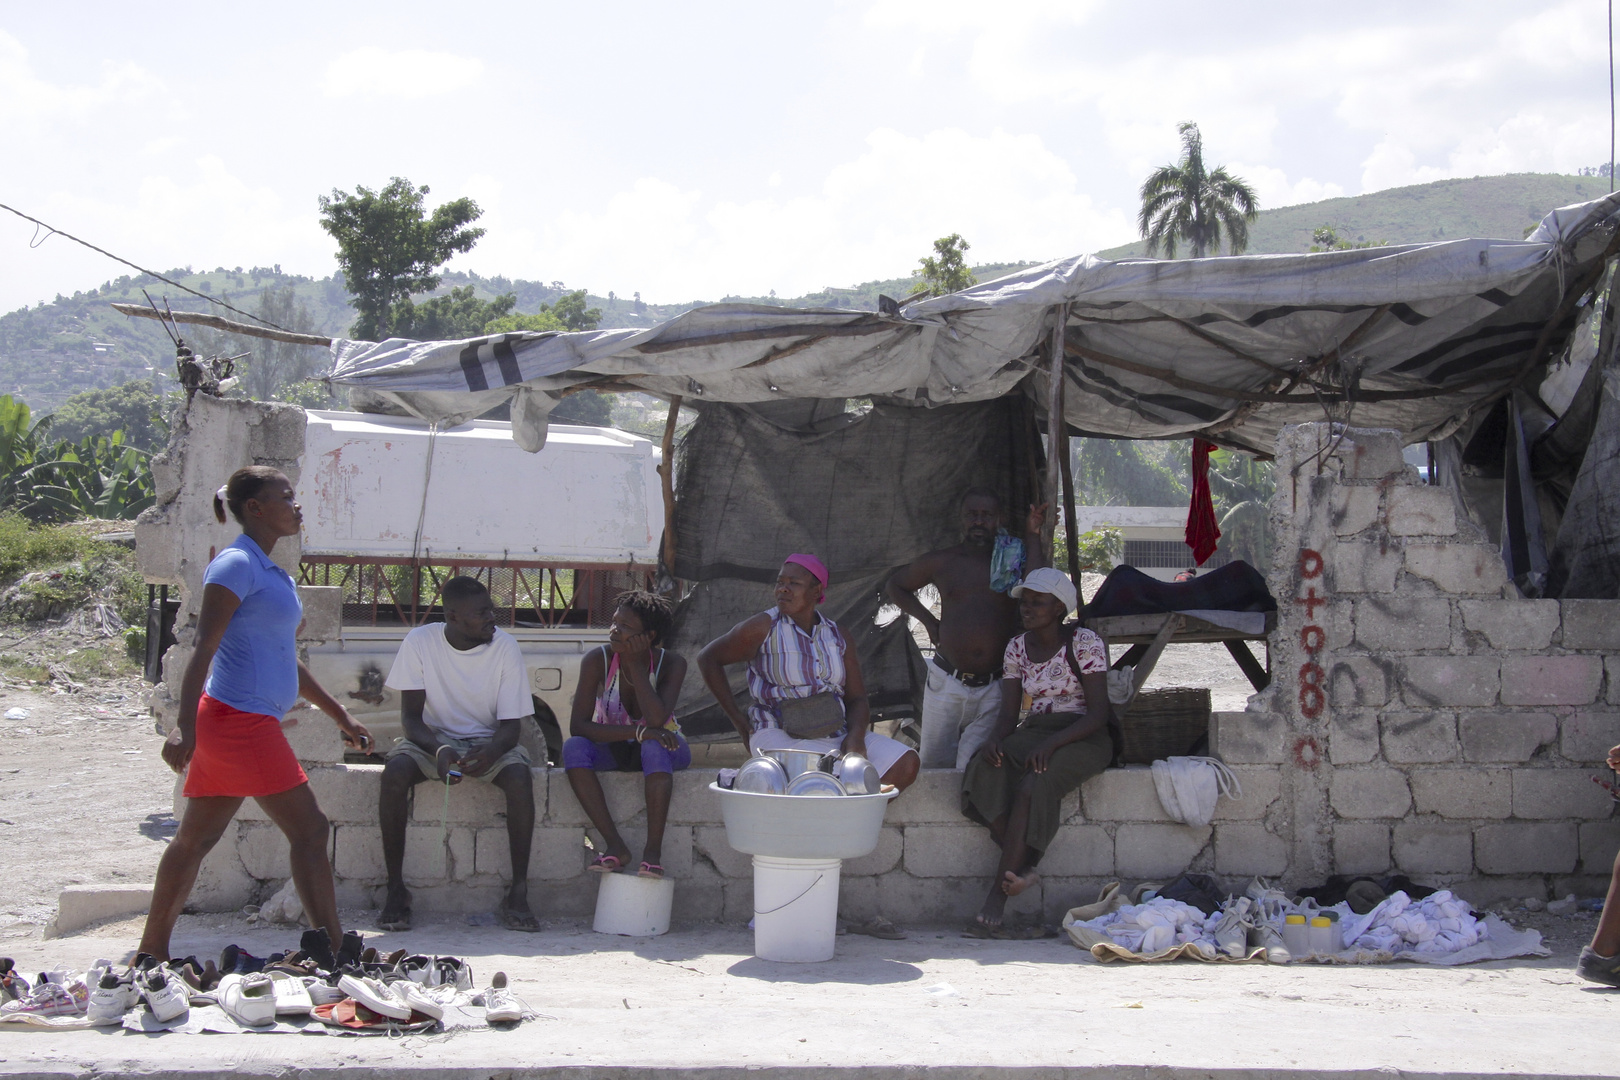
{"x":429,"y":768}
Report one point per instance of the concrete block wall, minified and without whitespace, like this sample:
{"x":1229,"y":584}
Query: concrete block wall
{"x":1430,"y":720}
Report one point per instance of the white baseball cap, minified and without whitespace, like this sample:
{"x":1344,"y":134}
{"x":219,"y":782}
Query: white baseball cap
{"x":1048,"y":580}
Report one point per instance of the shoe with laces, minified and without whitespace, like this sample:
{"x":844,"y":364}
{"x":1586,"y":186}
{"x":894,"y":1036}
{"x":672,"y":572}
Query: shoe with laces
{"x":1264,"y":935}
{"x":114,"y":995}
{"x":449,"y":971}
{"x":250,"y":998}
{"x":322,"y":992}
{"x":375,"y":995}
{"x":418,"y":969}
{"x":165,"y":993}
{"x":421,"y":999}
{"x":1598,"y":969}
{"x":50,"y":999}
{"x":500,"y":1004}
{"x":238,"y":961}
{"x":13,"y":984}
{"x":292,"y":996}
{"x":1233,"y":929}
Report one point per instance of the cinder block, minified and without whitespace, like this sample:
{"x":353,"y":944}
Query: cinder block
{"x":263,"y":851}
{"x":1418,"y":737}
{"x":1525,"y":625}
{"x":1157,"y":851}
{"x":709,"y":843}
{"x":1591,"y":624}
{"x":313,"y":737}
{"x":1450,"y":680}
{"x":1262,"y":787}
{"x":472,"y":802}
{"x":1360,"y":847}
{"x":1370,"y":454}
{"x":677,"y":853}
{"x":1523,"y":848}
{"x":1551,"y":680}
{"x":909,"y":900}
{"x":462,"y":844}
{"x":347,"y":794}
{"x":277,"y":432}
{"x":1458,"y":568}
{"x":323,"y":612}
{"x":625,"y":793}
{"x":690,"y":802}
{"x":1079,"y":851}
{"x":1422,"y":511}
{"x":1249,"y":849}
{"x":358,"y":855}
{"x":1358,"y":682}
{"x":1363,"y":567}
{"x":557,"y":854}
{"x":1353,"y":509}
{"x":1126,"y":794}
{"x":1403,"y":624}
{"x":1352,"y":736}
{"x":1600,"y":840}
{"x":1611,"y":665}
{"x":223,"y":884}
{"x":935,"y":797}
{"x":1434,"y":848}
{"x":701,"y":897}
{"x":1558,"y":794}
{"x":1589,"y":736}
{"x":891,"y":846}
{"x":1511,"y":737}
{"x":1463,"y":793}
{"x":1369,"y":793}
{"x":937,"y":851}
{"x":1254,"y":738}
{"x":78,"y":906}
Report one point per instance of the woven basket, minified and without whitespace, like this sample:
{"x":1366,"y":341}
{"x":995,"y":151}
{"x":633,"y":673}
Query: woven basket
{"x":1167,"y":723}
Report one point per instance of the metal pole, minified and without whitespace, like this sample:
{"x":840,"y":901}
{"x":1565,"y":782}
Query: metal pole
{"x":1057,"y":443}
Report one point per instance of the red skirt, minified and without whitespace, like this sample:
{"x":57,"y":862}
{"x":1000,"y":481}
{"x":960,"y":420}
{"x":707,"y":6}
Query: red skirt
{"x":240,"y":755}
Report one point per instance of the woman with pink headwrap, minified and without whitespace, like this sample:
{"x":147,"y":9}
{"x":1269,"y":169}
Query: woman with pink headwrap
{"x":795,"y":654}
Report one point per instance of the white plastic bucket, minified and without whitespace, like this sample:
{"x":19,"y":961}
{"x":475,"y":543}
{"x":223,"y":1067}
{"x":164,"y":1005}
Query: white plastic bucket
{"x":795,"y":908}
{"x":634,"y":906}
{"x":845,"y":827}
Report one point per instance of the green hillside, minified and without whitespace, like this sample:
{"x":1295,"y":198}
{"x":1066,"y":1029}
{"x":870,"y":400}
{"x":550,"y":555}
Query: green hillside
{"x":57,"y":348}
{"x":1497,"y":207}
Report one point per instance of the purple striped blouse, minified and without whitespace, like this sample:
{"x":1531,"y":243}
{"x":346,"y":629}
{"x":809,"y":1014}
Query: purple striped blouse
{"x":793,"y":664}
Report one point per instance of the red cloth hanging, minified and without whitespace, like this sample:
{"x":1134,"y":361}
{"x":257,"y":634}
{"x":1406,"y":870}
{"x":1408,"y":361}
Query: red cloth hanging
{"x":1202,"y":531}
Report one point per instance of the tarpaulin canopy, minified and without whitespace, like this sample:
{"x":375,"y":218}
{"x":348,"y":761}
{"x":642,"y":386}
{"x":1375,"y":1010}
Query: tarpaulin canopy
{"x":1411,"y":337}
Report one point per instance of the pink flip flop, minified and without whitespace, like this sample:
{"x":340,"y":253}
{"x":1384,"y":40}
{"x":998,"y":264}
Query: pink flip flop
{"x":606,"y":864}
{"x":650,"y":870}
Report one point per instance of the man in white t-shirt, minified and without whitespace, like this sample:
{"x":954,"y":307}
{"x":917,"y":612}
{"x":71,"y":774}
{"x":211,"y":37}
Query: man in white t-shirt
{"x":463,"y":697}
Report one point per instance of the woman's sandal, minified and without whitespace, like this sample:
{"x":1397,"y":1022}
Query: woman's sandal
{"x":979,"y":928}
{"x":606,"y":864}
{"x":651,"y":870}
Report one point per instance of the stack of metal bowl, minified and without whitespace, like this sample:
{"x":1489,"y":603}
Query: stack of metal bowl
{"x":807,"y":772}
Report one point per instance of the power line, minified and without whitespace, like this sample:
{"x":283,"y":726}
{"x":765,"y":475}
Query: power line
{"x":142,"y":269}
{"x":1611,"y":97}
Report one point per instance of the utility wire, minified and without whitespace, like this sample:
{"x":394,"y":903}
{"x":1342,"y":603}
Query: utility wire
{"x":1611,"y":97}
{"x":142,"y":269}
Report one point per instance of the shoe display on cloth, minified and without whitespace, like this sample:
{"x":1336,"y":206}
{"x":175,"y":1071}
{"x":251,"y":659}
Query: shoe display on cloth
{"x":1232,"y":930}
{"x":250,"y":999}
{"x":1598,"y":969}
{"x":449,"y":971}
{"x":418,"y":969}
{"x":113,"y":995}
{"x":50,"y":999}
{"x":1266,"y":936}
{"x":428,"y":1002}
{"x":500,"y":1004}
{"x":375,"y":995}
{"x":238,"y":961}
{"x":291,"y":994}
{"x":322,"y":992}
{"x":316,"y":945}
{"x":165,"y":993}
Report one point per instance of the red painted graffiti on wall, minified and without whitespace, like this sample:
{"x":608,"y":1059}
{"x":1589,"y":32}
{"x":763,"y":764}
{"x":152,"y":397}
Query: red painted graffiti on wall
{"x":1312,"y":638}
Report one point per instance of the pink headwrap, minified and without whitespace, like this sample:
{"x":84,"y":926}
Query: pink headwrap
{"x":812,"y":564}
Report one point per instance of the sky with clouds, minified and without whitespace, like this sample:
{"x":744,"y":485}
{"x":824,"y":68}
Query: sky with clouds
{"x":688,"y":151}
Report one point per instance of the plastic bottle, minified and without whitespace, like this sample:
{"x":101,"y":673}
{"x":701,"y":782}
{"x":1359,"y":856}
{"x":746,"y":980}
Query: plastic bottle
{"x":1297,"y":936}
{"x":1324,"y":936}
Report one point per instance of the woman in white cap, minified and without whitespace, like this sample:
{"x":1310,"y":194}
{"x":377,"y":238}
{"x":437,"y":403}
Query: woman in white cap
{"x":1015,"y":784}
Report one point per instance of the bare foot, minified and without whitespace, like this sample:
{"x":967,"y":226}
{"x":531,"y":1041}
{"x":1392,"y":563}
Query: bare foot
{"x":396,"y":912}
{"x":1012,"y":884}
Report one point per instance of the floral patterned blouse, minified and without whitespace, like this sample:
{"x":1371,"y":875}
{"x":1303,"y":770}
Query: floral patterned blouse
{"x":1052,"y":686}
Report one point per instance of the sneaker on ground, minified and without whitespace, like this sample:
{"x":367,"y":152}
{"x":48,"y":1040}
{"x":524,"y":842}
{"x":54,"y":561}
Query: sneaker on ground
{"x":322,"y":992}
{"x":238,"y":960}
{"x":250,"y":998}
{"x":114,"y":995}
{"x":1266,"y":936}
{"x":1232,"y":931}
{"x":50,"y":999}
{"x":418,"y":969}
{"x":13,"y":984}
{"x":422,"y":1000}
{"x":449,"y":971}
{"x":165,"y":993}
{"x":379,"y":997}
{"x":500,"y":1004}
{"x":292,"y":995}
{"x":1598,"y":969}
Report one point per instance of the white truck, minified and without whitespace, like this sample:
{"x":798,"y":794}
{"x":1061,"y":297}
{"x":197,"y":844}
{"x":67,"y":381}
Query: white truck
{"x":393,"y":509}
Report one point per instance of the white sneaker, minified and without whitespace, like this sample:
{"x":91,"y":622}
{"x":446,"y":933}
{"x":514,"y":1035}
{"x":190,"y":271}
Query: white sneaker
{"x":50,"y":999}
{"x":1266,"y":936}
{"x":375,"y":995}
{"x":292,"y":995}
{"x":165,"y":992}
{"x":250,"y":999}
{"x":1232,"y":931}
{"x":500,"y":1004}
{"x":427,"y":1002}
{"x":322,"y":992}
{"x":449,"y":971}
{"x":112,"y":997}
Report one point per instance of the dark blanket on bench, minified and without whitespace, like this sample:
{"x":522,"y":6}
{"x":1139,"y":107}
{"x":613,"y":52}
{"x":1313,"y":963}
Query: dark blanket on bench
{"x":1237,"y":586}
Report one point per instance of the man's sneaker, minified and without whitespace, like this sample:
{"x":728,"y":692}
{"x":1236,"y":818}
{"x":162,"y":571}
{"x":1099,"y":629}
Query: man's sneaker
{"x":428,"y":1002}
{"x":418,"y":969}
{"x":317,"y":946}
{"x":379,"y":997}
{"x":500,"y":1004}
{"x":1598,"y":969}
{"x":449,"y":971}
{"x":1232,"y":931}
{"x":292,"y":995}
{"x":238,"y":961}
{"x":1265,"y":936}
{"x":50,"y":999}
{"x":250,"y":998}
{"x":165,"y":994}
{"x":322,"y":992}
{"x":113,"y":996}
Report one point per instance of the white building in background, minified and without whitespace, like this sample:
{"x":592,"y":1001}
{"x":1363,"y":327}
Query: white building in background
{"x":1155,"y":537}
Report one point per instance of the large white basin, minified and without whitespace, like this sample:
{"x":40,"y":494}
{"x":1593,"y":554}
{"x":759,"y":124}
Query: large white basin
{"x":800,"y":826}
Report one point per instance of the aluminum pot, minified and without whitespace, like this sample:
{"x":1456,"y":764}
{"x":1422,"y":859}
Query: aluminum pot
{"x":798,"y":762}
{"x":815,"y":783}
{"x":762,"y":776}
{"x":858,"y":775}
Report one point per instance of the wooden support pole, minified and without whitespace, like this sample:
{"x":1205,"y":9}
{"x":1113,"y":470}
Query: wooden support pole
{"x":1071,"y":531}
{"x":227,"y":325}
{"x":1056,"y":440}
{"x":666,"y":471}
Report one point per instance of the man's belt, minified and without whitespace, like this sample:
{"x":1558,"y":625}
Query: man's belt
{"x":966,"y":678}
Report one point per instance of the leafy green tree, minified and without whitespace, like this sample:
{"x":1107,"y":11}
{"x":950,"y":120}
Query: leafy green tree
{"x":134,"y":408}
{"x":585,"y":407}
{"x":537,"y":323}
{"x":1098,"y":549}
{"x":1242,"y":488}
{"x":1187,"y":201}
{"x":389,"y":246}
{"x":457,"y":314}
{"x":946,"y":270}
{"x":1121,"y":472}
{"x":1332,"y":238}
{"x":570,"y":309}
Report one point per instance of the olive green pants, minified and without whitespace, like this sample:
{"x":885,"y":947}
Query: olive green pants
{"x":988,"y":790}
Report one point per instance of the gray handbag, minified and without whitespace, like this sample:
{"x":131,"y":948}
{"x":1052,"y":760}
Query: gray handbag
{"x":814,"y":717}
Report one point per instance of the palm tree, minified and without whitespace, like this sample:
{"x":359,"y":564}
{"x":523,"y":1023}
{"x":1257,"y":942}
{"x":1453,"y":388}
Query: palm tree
{"x":1184,"y":202}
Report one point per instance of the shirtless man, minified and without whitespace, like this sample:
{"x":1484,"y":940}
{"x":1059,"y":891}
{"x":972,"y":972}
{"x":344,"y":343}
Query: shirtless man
{"x":963,"y":697}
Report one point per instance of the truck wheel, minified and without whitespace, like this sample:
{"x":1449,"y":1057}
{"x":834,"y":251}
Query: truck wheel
{"x":550,"y":731}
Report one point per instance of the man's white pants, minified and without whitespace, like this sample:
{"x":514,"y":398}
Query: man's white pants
{"x":956,"y":719}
